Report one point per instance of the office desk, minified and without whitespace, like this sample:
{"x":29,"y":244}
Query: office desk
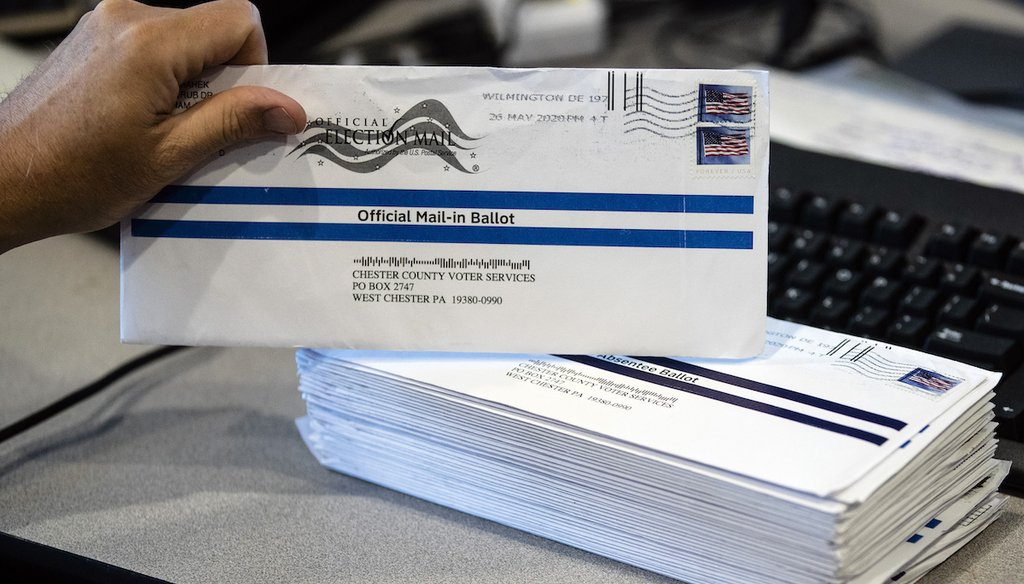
{"x":192,"y":470}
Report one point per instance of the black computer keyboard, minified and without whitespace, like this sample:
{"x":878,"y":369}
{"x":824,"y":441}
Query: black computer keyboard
{"x":903,"y":258}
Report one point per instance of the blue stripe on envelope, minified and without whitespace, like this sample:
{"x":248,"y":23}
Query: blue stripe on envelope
{"x":574,"y":236}
{"x":545,"y":201}
{"x":773,"y":390}
{"x":724,"y":397}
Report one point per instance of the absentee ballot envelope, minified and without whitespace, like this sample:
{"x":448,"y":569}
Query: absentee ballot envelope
{"x":469,"y":209}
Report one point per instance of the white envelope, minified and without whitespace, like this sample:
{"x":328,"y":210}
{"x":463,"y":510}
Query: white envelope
{"x":819,"y":413}
{"x":470,"y":209}
{"x":827,"y":459}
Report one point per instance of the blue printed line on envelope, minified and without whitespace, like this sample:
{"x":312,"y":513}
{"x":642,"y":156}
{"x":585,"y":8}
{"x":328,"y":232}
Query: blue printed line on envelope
{"x":780,"y":392}
{"x":571,"y":236}
{"x":721,"y":396}
{"x":465,"y":199}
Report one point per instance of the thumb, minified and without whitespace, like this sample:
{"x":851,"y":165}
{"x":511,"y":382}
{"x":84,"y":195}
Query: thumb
{"x":229,"y":117}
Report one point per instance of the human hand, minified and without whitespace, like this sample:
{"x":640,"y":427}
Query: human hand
{"x":90,"y":135}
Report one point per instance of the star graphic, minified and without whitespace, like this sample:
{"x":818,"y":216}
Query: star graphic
{"x":472,"y":154}
{"x":398,"y":110}
{"x":446,"y":168}
{"x":319,"y":162}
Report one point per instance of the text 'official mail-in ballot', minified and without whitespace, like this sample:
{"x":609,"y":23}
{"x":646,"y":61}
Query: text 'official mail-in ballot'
{"x":456,"y":209}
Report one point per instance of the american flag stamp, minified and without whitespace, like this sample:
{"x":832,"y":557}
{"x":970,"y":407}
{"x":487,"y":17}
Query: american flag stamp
{"x":929,"y":381}
{"x":723,"y":145}
{"x":725,"y":103}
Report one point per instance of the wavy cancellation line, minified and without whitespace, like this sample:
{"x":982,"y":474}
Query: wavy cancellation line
{"x":692,"y":111}
{"x":868,"y":374}
{"x":657,"y":133}
{"x":662,"y":130}
{"x":885,"y":366}
{"x":649,"y":90}
{"x":647,"y":99}
{"x":641,"y":115}
{"x":667,"y":128}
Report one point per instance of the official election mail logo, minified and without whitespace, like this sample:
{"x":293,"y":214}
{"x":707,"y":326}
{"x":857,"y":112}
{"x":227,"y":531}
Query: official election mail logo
{"x":725,"y":103}
{"x":368,"y":144}
{"x":930,"y":381}
{"x":723,"y":145}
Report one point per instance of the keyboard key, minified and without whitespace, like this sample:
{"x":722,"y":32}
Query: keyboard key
{"x":950,"y":241}
{"x":908,"y":331}
{"x":1002,"y":291}
{"x":844,"y":283}
{"x":922,"y":271}
{"x":831,"y":312}
{"x":870,"y":321}
{"x":884,"y":261}
{"x":989,"y":250}
{"x":820,"y":213}
{"x":920,"y":301}
{"x":897,"y":229}
{"x":1015,"y":263}
{"x":986,"y":351}
{"x":1002,"y":321}
{"x":960,"y":279}
{"x":845,"y":253}
{"x":809,"y":244}
{"x":857,"y":220}
{"x":792,"y":304}
{"x":777,"y":265}
{"x":881,"y":292}
{"x":806,"y":275}
{"x":960,"y":311}
{"x":778,"y":236}
{"x":784,"y":205}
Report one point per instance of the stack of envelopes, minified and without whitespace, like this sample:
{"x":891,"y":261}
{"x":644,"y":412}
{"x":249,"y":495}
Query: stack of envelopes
{"x":827,"y":459}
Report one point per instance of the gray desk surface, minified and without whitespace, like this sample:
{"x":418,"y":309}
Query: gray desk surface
{"x":193,"y":471}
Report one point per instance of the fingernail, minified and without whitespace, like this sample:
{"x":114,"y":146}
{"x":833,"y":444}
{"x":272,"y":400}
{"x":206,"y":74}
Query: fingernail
{"x":277,"y":120}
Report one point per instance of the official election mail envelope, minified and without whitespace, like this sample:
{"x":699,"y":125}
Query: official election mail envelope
{"x":469,"y":209}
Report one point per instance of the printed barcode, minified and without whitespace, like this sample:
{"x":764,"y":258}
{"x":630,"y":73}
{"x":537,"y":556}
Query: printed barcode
{"x":447,"y":263}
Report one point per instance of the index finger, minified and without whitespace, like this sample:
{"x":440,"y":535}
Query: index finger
{"x":222,"y":32}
